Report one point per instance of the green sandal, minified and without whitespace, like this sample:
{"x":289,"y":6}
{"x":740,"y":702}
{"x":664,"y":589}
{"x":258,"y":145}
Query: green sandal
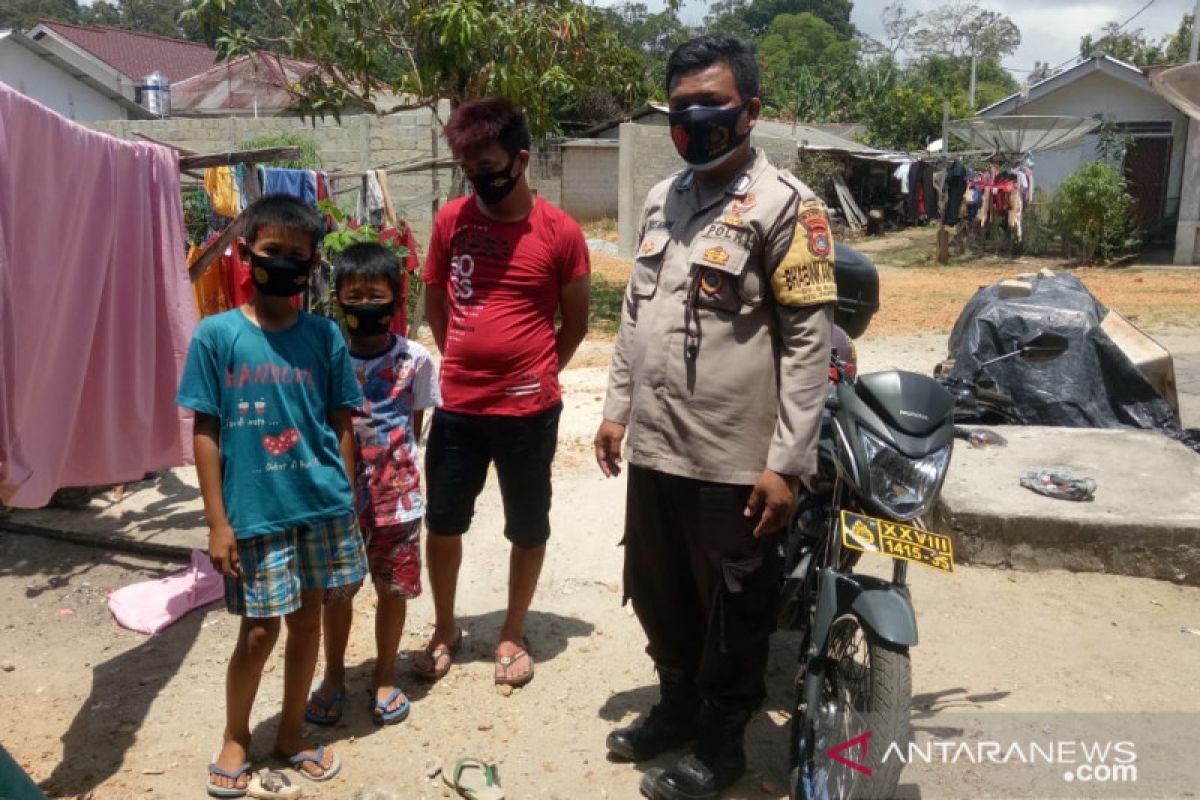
{"x":474,"y":780}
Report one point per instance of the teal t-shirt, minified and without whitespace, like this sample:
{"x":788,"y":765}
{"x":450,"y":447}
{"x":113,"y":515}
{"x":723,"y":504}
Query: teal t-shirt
{"x":273,"y":392}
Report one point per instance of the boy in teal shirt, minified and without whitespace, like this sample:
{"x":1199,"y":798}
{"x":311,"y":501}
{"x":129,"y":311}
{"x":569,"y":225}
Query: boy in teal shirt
{"x":273,"y":390}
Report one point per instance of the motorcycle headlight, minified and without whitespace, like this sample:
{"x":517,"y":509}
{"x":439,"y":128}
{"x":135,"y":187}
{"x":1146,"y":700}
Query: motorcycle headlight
{"x":905,"y":486}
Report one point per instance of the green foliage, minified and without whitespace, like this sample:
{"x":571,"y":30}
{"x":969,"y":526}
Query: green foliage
{"x":22,"y":15}
{"x":607,"y":300}
{"x":336,"y":242}
{"x":816,"y":170}
{"x":753,"y":18}
{"x":1112,"y":144}
{"x":161,"y":17}
{"x":309,"y":158}
{"x":196,"y":211}
{"x":908,"y":118}
{"x":542,"y":54}
{"x":1093,"y":211}
{"x":1135,"y":47}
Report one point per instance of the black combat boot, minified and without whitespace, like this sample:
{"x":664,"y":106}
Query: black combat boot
{"x":670,"y":724}
{"x":718,"y":763}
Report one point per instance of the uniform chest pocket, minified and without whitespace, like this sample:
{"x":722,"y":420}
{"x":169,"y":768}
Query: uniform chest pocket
{"x":647,"y":265}
{"x":724,"y":280}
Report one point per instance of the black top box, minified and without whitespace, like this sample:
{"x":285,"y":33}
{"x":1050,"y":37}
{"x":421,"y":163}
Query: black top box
{"x":857,"y":288}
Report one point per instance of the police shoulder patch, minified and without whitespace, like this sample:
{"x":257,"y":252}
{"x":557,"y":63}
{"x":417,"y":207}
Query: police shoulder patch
{"x":805,"y":275}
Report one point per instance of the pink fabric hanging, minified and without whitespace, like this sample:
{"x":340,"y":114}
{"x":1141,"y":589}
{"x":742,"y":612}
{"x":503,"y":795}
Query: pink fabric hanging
{"x":96,"y":309}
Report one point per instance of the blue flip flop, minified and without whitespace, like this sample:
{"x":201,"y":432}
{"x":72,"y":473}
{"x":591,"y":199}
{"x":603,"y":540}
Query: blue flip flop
{"x":221,"y":791}
{"x":323,"y":704}
{"x":389,"y":717}
{"x":301,"y":758}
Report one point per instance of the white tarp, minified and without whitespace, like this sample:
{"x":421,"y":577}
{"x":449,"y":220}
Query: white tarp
{"x":1180,"y":86}
{"x":1017,"y":135}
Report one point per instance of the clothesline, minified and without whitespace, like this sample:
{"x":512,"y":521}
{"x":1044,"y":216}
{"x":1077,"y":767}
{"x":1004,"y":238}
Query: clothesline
{"x":398,"y":169}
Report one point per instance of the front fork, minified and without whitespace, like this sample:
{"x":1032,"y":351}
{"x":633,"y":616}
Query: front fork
{"x":883,"y":609}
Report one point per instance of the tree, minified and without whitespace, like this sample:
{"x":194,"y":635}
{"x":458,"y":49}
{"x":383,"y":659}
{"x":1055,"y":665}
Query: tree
{"x":148,"y":16}
{"x":963,"y":29}
{"x":1177,"y":46}
{"x":806,"y":67}
{"x":899,"y":26}
{"x":653,"y":35}
{"x":1131,"y":47}
{"x":752,"y":18}
{"x":22,"y":15}
{"x":907,"y":118}
{"x":945,"y":76}
{"x":541,"y":53}
{"x":1041,"y":71}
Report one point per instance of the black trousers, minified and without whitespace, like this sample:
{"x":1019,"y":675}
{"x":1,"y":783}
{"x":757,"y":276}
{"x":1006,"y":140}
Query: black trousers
{"x":704,"y":589}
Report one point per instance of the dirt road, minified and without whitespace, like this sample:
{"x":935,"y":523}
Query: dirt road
{"x":97,"y":711}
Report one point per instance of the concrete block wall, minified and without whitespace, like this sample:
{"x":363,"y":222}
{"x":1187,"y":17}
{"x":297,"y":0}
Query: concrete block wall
{"x":648,"y":156}
{"x":356,"y":143}
{"x":590,"y":189}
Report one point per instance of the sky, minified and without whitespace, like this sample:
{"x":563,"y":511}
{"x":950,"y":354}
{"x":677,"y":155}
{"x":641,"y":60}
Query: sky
{"x":1050,"y":29}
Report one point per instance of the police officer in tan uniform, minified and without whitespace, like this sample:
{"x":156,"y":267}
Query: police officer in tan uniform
{"x":719,"y":377}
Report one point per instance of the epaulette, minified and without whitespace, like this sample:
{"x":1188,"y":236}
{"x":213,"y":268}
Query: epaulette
{"x":796,"y":185}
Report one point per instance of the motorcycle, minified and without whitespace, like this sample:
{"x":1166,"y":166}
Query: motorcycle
{"x":884,"y":451}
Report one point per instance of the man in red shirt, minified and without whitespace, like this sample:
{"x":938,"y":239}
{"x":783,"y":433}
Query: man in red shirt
{"x":501,"y":263}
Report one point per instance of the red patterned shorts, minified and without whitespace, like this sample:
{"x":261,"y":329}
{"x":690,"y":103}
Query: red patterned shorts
{"x":394,"y":556}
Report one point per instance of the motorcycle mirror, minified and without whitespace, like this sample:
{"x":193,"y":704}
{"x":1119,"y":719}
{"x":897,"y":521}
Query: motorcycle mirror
{"x":1045,"y":346}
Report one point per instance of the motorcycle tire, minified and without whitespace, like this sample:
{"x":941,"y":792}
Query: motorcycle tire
{"x":888,"y":704}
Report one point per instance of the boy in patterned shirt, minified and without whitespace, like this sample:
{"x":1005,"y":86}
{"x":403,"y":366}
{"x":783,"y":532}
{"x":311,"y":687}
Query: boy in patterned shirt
{"x":399,"y":381}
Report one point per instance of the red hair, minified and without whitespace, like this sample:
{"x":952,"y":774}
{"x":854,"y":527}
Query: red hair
{"x":480,"y":122}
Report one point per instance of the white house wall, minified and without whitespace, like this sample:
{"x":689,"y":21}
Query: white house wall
{"x":1116,"y":101}
{"x":52,"y":87}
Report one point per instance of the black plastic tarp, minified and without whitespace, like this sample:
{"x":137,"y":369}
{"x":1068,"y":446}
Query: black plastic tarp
{"x":1092,"y":385}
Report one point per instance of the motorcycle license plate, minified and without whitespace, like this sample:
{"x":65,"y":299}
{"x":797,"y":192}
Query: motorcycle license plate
{"x":897,"y":540}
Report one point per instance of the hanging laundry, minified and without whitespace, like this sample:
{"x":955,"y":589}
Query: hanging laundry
{"x":372,"y":207}
{"x":301,"y":183}
{"x":96,"y":309}
{"x":223,"y":192}
{"x":211,"y":294}
{"x":955,"y":184}
{"x":901,"y":174}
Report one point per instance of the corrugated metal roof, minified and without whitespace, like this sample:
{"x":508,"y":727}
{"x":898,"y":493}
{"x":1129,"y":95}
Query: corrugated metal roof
{"x":244,"y":84}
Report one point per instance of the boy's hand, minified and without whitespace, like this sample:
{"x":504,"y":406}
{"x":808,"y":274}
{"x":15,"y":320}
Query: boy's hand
{"x":222,"y":549}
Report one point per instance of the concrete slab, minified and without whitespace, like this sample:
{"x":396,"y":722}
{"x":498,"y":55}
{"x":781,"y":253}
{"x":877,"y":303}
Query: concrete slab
{"x":1144,"y":521}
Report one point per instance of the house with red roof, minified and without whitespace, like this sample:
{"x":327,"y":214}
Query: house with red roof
{"x":200,"y":85}
{"x":120,"y":59}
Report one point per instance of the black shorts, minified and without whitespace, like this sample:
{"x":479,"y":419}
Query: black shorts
{"x":461,"y":446}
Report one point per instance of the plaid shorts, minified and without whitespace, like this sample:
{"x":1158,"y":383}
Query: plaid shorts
{"x":326,"y":554}
{"x":394,"y":555}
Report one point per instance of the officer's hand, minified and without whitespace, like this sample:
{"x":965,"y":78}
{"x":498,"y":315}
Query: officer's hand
{"x":774,"y":496}
{"x":608,"y":447}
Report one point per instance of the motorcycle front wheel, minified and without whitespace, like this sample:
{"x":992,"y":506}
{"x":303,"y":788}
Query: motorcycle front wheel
{"x":867,"y":689}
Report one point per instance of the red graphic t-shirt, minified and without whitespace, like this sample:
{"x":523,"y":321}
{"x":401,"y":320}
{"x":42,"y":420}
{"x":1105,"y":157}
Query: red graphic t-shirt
{"x":503,"y":280}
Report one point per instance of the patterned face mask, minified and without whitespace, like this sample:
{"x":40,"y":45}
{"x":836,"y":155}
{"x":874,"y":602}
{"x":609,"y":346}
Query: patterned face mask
{"x":279,"y":276}
{"x":369,"y":319}
{"x":706,"y":136}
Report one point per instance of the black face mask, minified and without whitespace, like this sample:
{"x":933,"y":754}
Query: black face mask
{"x":493,"y":187}
{"x":705,"y":136}
{"x":279,"y":276}
{"x":369,"y":319}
